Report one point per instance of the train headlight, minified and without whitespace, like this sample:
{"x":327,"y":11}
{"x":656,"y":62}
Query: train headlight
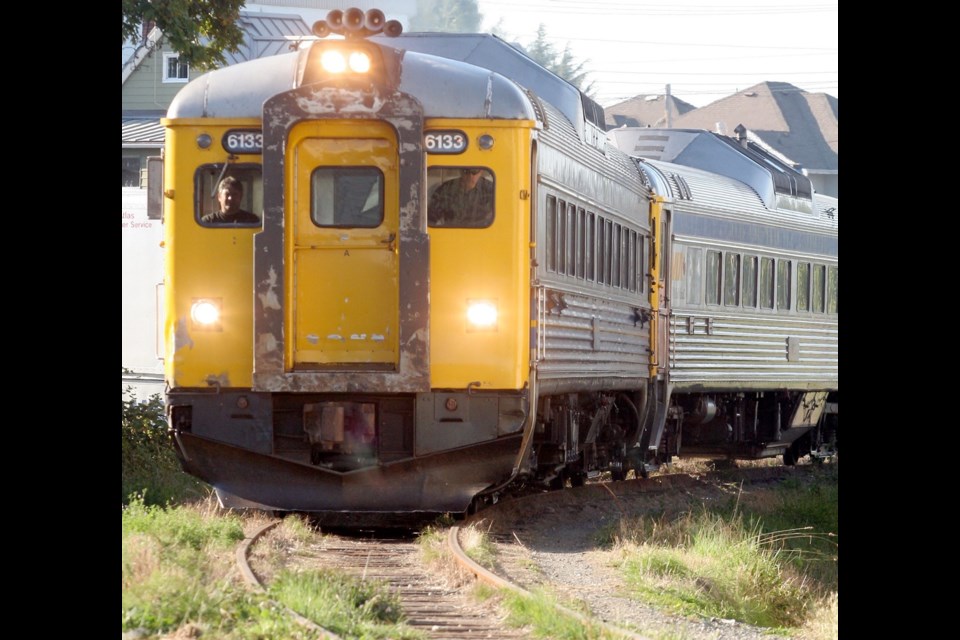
{"x":337,"y":61}
{"x":333,"y":61}
{"x":205,"y":313}
{"x":359,"y":62}
{"x":482,"y":315}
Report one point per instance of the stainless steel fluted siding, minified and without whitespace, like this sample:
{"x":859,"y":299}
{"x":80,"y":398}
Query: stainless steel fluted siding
{"x":593,"y":338}
{"x":753,"y":348}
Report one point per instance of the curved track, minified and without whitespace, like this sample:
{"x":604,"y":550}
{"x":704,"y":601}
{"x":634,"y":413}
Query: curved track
{"x":434,"y":608}
{"x":441,"y":610}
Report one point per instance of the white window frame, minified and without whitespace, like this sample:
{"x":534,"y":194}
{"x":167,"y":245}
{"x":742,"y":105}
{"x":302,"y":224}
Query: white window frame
{"x":166,"y":67}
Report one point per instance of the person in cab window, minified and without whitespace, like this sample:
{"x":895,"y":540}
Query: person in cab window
{"x":230,"y":195}
{"x":466,"y":201}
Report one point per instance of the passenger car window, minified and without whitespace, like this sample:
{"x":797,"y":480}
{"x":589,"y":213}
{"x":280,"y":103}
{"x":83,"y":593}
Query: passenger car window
{"x":731,"y":279}
{"x":750,"y":281}
{"x":766,"y":283}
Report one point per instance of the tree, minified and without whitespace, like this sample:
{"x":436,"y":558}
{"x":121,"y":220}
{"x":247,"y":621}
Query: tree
{"x":199,"y":30}
{"x":449,"y":16}
{"x":463,"y":16}
{"x":564,"y":64}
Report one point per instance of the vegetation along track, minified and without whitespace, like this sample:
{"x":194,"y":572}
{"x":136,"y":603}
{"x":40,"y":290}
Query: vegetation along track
{"x":430,"y":605}
{"x":548,"y":523}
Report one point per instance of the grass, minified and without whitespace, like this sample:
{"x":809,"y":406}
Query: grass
{"x":346,"y":606}
{"x":539,"y":612}
{"x":768,"y":558}
{"x":177,"y":573}
{"x":179,"y":578}
{"x":544,"y":617}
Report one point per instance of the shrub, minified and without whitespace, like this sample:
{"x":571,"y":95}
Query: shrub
{"x":148,"y":463}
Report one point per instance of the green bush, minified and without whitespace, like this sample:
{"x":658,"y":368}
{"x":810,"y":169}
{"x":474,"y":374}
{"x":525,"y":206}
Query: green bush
{"x":148,"y":464}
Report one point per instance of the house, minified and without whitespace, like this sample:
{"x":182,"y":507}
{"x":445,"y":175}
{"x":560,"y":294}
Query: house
{"x":801,"y":129}
{"x":653,"y":110}
{"x":153,"y":74}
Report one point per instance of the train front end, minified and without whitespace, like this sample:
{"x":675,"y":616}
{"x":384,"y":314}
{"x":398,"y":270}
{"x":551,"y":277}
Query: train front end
{"x":346,"y":356}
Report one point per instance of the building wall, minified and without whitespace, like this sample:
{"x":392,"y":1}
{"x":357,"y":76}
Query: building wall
{"x":145,"y":89}
{"x":141,"y":276}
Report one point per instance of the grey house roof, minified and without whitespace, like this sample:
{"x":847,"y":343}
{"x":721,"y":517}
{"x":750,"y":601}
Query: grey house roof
{"x":141,"y":133}
{"x":267,"y":35}
{"x":645,"y":111}
{"x":264,"y":34}
{"x":802,"y":127}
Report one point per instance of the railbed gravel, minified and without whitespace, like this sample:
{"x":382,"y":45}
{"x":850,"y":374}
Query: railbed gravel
{"x":551,"y":541}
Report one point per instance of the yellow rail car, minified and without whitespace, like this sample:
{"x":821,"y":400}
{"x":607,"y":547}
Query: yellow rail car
{"x":406,"y":271}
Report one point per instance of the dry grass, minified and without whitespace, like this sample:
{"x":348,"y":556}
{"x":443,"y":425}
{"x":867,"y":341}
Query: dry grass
{"x":436,"y":553}
{"x":283,"y":547}
{"x":824,"y":620}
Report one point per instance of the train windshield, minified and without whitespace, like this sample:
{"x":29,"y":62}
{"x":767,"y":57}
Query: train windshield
{"x":460,"y":197}
{"x":228,"y":195}
{"x":347,"y":197}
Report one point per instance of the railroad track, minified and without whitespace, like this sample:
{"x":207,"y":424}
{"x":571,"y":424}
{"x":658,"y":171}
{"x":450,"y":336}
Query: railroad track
{"x":442,"y":610}
{"x":436,"y":609}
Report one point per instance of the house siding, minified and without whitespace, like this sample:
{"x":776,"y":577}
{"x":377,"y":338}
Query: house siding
{"x":145,"y":90}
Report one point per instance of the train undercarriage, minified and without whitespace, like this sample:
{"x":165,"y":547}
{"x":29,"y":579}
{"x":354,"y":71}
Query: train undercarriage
{"x":371,"y":458}
{"x":583,"y":435}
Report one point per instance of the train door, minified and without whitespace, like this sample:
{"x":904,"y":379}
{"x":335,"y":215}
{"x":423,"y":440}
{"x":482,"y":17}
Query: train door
{"x":342,"y":246}
{"x":664,"y":307}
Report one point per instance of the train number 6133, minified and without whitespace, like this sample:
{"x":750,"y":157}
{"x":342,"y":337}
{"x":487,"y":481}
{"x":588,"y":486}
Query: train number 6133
{"x":445,"y":141}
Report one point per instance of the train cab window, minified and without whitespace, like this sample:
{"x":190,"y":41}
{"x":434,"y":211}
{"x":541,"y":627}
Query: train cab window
{"x":767,"y":283}
{"x":783,"y":284}
{"x":803,"y":286}
{"x":750,"y":281}
{"x":460,"y":197}
{"x":228,"y":195}
{"x":833,"y":290}
{"x":731,"y":279}
{"x":712,"y":278}
{"x":819,"y":280}
{"x":346,"y":197}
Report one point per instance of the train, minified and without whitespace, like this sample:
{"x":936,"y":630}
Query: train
{"x":619,"y":299}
